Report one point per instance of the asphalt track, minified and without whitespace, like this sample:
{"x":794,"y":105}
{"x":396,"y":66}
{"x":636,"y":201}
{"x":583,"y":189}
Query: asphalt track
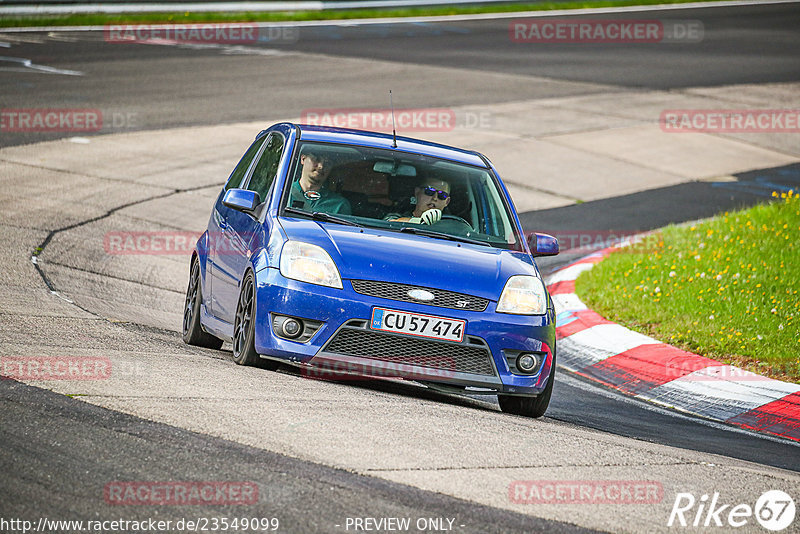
{"x":96,"y":446}
{"x":58,"y":451}
{"x":162,"y":87}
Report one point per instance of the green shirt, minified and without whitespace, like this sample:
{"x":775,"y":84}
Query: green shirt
{"x":328,"y":201}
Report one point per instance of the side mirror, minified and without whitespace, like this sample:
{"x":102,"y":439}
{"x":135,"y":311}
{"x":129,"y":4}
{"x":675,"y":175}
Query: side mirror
{"x":241,"y":199}
{"x":543,"y":245}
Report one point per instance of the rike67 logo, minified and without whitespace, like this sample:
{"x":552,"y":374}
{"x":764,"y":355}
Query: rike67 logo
{"x":774,"y":510}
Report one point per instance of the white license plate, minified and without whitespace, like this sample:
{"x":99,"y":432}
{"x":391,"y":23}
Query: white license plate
{"x":417,"y":324}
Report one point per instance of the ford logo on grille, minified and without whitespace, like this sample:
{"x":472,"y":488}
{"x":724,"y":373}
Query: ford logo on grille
{"x":421,"y":294}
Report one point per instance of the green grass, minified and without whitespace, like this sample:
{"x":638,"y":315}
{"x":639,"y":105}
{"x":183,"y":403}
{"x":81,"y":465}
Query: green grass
{"x":726,"y":288}
{"x":197,"y":17}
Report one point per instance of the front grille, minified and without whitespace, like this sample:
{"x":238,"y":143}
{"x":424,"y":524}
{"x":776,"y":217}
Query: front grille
{"x":471,"y":358}
{"x":443,"y":299}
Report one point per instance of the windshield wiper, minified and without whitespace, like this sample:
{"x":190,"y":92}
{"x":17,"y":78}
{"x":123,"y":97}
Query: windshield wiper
{"x":442,"y":235}
{"x":322,"y":216}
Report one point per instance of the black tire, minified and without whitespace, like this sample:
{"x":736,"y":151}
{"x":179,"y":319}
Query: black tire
{"x":244,"y":328}
{"x":529,"y":406}
{"x":193,"y":333}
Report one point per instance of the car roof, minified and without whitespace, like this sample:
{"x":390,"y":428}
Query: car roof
{"x":380,"y":140}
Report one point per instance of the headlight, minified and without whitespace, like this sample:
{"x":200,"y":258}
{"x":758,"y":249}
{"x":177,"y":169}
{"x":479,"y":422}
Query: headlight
{"x":523,"y":295}
{"x":309,"y":263}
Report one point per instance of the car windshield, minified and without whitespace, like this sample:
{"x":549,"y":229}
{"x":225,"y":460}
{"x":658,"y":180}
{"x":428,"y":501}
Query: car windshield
{"x":399,"y":191}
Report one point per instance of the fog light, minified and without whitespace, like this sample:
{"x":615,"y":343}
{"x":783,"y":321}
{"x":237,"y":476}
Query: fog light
{"x":527,"y":363}
{"x":291,"y":328}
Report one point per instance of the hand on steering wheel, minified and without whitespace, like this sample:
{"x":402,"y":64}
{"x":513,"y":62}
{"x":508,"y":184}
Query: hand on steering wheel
{"x":432,"y":216}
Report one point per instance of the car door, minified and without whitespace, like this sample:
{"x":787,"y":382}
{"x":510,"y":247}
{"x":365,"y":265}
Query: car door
{"x":242,"y":233}
{"x":216,"y":274}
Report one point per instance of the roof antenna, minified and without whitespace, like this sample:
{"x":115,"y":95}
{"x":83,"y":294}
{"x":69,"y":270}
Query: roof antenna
{"x":394,"y":132}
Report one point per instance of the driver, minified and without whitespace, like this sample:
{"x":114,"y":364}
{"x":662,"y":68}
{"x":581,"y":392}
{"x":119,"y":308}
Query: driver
{"x":430,"y":198}
{"x":311,"y":191}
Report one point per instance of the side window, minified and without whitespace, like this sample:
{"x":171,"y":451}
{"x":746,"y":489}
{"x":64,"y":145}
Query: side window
{"x":241,"y":169}
{"x":267,"y":166}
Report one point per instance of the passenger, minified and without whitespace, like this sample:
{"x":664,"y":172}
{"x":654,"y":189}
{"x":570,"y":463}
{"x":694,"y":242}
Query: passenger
{"x":430,"y":199}
{"x":311,"y":191}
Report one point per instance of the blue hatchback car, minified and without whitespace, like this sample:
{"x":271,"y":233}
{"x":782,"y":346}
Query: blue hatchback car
{"x":356,"y":253}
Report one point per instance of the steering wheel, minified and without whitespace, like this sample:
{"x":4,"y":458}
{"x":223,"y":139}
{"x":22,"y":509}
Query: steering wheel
{"x":454,"y":221}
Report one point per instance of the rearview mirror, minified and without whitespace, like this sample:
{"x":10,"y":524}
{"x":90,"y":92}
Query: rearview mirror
{"x":394,"y":168}
{"x":543,"y":245}
{"x":241,"y":199}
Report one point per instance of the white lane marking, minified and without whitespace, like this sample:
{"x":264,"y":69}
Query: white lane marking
{"x":27,"y":64}
{"x":736,"y":374}
{"x":729,"y":373}
{"x":611,"y":338}
{"x":576,"y":356}
{"x":29,"y":39}
{"x":567,"y":302}
{"x":720,"y":392}
{"x":53,"y":36}
{"x":572,"y":381}
{"x":714,"y":398}
{"x":570,"y":273}
{"x":459,"y":18}
{"x":225,"y":49}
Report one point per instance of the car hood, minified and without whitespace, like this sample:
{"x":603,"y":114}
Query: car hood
{"x":374,"y":254}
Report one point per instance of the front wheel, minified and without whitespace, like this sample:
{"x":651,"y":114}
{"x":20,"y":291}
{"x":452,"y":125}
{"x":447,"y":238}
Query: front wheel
{"x":244,"y":347}
{"x":193,"y":333}
{"x":529,"y":406}
{"x":244,"y":328}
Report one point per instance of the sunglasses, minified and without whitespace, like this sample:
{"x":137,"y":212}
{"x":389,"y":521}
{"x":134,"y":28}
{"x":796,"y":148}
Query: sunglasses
{"x":442,"y":195}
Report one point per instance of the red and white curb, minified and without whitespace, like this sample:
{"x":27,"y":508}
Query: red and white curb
{"x":640,"y":366}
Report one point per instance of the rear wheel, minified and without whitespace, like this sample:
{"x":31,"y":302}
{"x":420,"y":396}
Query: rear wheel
{"x":193,"y":333}
{"x":529,"y":406}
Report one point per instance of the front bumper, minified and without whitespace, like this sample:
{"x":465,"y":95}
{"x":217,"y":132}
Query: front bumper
{"x":346,"y":313}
